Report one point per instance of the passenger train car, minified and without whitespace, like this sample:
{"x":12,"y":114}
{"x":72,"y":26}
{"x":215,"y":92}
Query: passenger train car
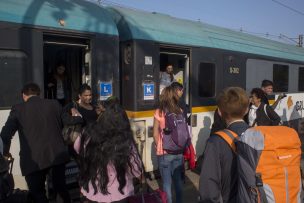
{"x":206,"y":59}
{"x":35,"y":35}
{"x":121,"y":51}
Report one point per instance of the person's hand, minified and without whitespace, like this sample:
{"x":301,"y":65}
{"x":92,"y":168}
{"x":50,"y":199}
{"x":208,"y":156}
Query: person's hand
{"x":8,"y":156}
{"x":75,"y":112}
{"x":281,"y":96}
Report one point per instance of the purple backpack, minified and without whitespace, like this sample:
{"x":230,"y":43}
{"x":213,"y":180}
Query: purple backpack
{"x":176,"y":135}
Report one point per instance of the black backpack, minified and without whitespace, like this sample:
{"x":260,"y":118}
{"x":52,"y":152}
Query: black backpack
{"x":6,"y":179}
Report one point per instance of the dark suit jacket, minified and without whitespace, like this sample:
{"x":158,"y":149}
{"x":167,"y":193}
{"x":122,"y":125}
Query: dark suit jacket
{"x":38,"y":123}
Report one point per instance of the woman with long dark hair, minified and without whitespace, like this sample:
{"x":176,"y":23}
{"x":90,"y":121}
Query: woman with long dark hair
{"x":108,"y":158}
{"x":170,"y":165}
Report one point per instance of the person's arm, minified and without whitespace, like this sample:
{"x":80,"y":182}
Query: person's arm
{"x":156,"y":131}
{"x":8,"y":131}
{"x":273,"y":116}
{"x":275,"y":104}
{"x":210,"y":177}
{"x":67,"y":118}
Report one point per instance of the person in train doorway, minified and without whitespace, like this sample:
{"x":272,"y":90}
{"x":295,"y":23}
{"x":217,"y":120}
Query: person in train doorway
{"x":267,"y":87}
{"x":218,"y":178}
{"x":38,"y":123}
{"x":167,"y":77}
{"x":261,"y":114}
{"x":59,"y":85}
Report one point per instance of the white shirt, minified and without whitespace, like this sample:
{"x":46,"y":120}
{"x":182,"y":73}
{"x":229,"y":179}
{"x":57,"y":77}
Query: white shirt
{"x":252,"y":114}
{"x":60,"y":91}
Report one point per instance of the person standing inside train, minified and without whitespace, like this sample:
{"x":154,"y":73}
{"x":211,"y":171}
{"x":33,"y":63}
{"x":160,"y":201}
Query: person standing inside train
{"x":38,"y":123}
{"x":167,"y":77}
{"x":170,"y":165}
{"x":218,"y":178}
{"x":59,"y":86}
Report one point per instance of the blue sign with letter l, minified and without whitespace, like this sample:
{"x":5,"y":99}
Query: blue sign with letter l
{"x":105,"y":90}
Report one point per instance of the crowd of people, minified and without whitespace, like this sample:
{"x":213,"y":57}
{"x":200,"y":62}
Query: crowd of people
{"x":106,"y":152}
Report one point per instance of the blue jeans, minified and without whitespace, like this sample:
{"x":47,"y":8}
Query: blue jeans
{"x":171,"y":168}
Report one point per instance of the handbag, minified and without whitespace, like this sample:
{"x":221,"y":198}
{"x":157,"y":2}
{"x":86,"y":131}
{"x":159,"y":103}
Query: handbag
{"x":7,"y":192}
{"x":71,"y":132}
{"x":156,"y":196}
{"x":150,"y":196}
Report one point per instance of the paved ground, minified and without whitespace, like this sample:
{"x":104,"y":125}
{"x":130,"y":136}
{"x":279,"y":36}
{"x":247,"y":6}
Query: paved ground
{"x":190,"y":190}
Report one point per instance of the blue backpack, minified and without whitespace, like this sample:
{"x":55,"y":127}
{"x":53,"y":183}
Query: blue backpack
{"x":176,"y":135}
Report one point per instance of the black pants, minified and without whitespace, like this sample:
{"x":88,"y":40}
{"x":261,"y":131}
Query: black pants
{"x":36,"y":184}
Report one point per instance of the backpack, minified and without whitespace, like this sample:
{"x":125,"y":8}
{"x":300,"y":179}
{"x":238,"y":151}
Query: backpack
{"x":176,"y":136}
{"x":268,"y":164}
{"x":6,"y":179}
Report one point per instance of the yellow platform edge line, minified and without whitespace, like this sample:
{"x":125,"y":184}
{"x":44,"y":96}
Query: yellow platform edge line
{"x":150,"y":113}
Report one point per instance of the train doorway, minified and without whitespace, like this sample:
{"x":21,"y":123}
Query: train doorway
{"x":180,"y":61}
{"x":66,"y":67}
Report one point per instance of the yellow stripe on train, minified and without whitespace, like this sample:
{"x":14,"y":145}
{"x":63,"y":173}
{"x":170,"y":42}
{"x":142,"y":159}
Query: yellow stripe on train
{"x":150,"y":113}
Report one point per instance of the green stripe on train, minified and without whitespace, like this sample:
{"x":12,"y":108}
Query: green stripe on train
{"x":78,"y":15}
{"x":134,"y":24}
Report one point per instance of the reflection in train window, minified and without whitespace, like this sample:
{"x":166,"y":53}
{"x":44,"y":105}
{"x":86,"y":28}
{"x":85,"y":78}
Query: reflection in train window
{"x":280,"y":77}
{"x":301,"y":79}
{"x":206,"y":80}
{"x":12,"y":76}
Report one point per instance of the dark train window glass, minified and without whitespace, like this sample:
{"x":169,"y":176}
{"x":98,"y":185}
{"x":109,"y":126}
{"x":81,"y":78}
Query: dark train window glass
{"x":12,"y":76}
{"x":280,"y":78}
{"x":301,"y":79}
{"x":206,"y":80}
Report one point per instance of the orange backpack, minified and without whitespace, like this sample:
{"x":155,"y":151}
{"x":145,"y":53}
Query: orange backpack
{"x":268,"y":164}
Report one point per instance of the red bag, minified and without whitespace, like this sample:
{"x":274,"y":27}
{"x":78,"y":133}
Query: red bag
{"x":157,"y":196}
{"x":189,"y":155}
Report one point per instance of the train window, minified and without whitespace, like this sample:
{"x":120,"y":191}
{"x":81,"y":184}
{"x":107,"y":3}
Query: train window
{"x":206,"y":78}
{"x":12,"y":76}
{"x":280,"y":77}
{"x":301,"y":79}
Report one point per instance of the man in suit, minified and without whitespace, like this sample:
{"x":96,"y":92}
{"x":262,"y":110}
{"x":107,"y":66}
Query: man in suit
{"x":38,"y":123}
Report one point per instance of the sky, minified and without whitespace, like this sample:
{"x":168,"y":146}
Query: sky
{"x":257,"y":17}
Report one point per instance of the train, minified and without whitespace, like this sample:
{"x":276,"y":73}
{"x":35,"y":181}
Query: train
{"x":121,"y":52}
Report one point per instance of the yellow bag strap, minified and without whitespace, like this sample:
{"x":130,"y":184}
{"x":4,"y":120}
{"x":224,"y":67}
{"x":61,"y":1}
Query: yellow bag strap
{"x":229,"y":136}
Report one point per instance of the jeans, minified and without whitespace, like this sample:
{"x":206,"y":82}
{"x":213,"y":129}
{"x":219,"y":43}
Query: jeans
{"x":171,"y":168}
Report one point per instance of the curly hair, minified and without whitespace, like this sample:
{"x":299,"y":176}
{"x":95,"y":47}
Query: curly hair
{"x":108,"y":141}
{"x":258,"y":92}
{"x":168,"y":101}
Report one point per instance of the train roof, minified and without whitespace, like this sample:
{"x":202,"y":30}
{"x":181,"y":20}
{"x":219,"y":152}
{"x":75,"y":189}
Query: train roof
{"x":135,"y":24}
{"x":78,"y":15}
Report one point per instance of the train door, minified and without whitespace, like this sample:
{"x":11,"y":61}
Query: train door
{"x":179,"y":59}
{"x":66,"y":59}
